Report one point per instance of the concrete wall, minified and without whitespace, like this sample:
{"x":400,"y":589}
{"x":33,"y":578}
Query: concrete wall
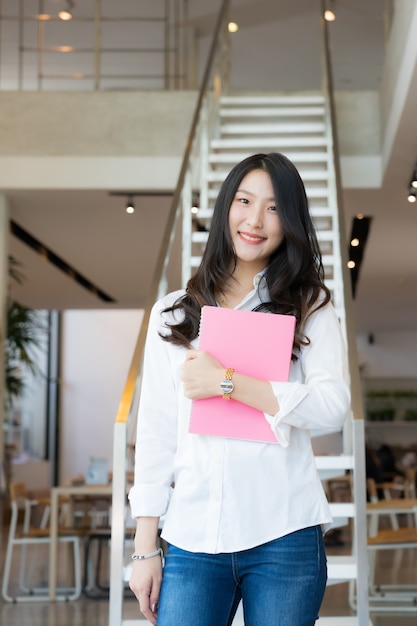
{"x":93,"y":140}
{"x":94,"y":123}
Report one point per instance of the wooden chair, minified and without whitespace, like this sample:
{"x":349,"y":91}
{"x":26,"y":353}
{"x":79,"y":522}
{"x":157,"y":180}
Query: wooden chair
{"x":411,"y":482}
{"x":23,"y":533}
{"x":393,"y":597}
{"x":390,"y":490}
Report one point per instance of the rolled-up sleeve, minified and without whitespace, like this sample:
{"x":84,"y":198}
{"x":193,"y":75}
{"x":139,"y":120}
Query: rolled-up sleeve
{"x":318,"y":393}
{"x":157,"y":426}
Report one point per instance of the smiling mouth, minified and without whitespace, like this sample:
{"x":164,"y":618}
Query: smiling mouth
{"x":251,"y":238}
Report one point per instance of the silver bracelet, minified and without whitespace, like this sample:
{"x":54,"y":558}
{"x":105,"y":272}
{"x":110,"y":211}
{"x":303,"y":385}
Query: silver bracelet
{"x":141,"y":557}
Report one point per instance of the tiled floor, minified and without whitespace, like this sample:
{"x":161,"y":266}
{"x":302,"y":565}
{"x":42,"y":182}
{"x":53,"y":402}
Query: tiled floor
{"x":393,"y":566}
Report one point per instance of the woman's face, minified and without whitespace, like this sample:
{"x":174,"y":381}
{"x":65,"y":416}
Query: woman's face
{"x":254,"y":224}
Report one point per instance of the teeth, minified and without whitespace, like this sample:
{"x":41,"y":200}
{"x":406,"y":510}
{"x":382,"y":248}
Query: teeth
{"x":251,"y":237}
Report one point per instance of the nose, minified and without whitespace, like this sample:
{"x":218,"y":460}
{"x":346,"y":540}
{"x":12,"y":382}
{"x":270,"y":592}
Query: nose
{"x":254,"y":217}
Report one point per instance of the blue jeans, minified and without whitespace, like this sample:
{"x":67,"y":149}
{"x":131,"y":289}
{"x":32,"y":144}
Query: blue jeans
{"x":281,"y":583}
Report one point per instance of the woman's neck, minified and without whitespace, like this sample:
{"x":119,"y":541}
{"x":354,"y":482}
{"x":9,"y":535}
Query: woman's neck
{"x":236,"y":288}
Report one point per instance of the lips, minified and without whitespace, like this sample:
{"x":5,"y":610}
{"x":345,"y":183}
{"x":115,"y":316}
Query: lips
{"x":251,"y":238}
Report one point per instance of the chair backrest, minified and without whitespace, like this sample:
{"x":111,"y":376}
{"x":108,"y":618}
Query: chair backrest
{"x":410,"y":479}
{"x":372,"y":490}
{"x":17,"y":491}
{"x":36,"y":511}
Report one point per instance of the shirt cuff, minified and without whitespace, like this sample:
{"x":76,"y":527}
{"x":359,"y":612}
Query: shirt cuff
{"x":288,"y":395}
{"x":149,"y":500}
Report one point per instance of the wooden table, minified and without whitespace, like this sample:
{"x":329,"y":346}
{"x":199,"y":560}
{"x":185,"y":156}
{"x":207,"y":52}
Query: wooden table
{"x":393,"y":505}
{"x":68,"y":492}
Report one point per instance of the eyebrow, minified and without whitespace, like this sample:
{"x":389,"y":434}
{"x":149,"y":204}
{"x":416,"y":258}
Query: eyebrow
{"x":249,"y":193}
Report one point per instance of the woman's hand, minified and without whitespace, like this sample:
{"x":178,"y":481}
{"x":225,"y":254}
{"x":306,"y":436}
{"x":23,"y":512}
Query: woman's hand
{"x":146,"y":577}
{"x":201,"y":375}
{"x":145,"y":582}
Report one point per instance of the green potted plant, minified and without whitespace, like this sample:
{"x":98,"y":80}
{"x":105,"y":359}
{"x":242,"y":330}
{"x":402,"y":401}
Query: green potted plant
{"x":24,"y":332}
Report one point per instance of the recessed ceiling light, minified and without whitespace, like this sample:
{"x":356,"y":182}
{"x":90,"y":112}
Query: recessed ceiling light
{"x":65,"y":15}
{"x":329,"y":15}
{"x":232,"y":27}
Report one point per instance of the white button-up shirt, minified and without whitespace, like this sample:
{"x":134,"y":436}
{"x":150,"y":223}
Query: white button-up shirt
{"x":230,"y":494}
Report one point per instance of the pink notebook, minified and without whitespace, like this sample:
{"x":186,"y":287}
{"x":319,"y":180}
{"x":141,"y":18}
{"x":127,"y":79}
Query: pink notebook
{"x":253,"y":343}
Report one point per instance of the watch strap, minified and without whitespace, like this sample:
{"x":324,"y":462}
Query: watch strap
{"x":227,"y":385}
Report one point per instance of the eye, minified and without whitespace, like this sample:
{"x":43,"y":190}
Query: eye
{"x":272,"y":208}
{"x":243,"y":200}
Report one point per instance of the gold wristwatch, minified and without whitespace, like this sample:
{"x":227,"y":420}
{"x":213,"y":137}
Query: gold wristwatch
{"x":227,"y":384}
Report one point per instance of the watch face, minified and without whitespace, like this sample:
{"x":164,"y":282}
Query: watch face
{"x":227,"y":386}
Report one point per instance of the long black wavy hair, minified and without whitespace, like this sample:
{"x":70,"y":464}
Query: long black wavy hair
{"x":294,"y":276}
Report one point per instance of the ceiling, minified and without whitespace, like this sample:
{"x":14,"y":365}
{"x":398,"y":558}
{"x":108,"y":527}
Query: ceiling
{"x":116,"y":254}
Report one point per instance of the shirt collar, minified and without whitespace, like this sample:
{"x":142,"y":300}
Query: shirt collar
{"x":259,"y":293}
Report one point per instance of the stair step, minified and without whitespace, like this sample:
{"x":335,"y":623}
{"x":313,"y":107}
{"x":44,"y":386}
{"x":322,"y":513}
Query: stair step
{"x":295,"y":157}
{"x":199,"y":237}
{"x":204,"y":214}
{"x":272,"y":128}
{"x":319,"y":192}
{"x":275,"y":111}
{"x":317,"y":213}
{"x":245,"y":100}
{"x":195,"y":261}
{"x":269,"y":142}
{"x":327,"y":235}
{"x":334,"y":461}
{"x":341,"y":621}
{"x":326,"y":621}
{"x":333,"y":465}
{"x":342,"y":568}
{"x":342,"y":509}
{"x":322,"y":211}
{"x":218,"y":176}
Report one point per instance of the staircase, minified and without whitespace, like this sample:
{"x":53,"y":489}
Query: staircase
{"x":296,"y":125}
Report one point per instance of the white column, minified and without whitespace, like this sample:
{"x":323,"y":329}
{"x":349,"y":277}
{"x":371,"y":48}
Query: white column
{"x":4,"y":279}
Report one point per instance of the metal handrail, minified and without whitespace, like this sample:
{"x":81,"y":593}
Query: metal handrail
{"x":350,"y":330}
{"x":128,"y":392}
{"x":357,"y":436}
{"x":127,"y":402}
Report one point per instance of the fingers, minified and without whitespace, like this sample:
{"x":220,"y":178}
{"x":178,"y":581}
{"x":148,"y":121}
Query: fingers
{"x":146,"y":586}
{"x":201,"y":375}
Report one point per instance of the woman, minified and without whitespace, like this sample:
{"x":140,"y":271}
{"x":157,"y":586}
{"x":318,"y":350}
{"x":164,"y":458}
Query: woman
{"x":245,"y":519}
